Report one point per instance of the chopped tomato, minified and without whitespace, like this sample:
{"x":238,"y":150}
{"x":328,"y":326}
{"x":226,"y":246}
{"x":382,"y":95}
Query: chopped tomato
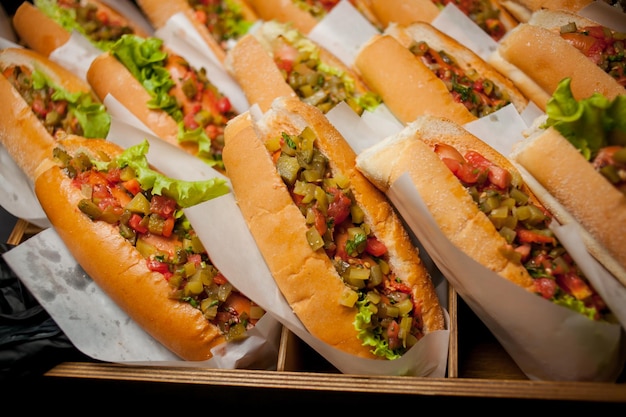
{"x":393,"y":331}
{"x":162,"y":205}
{"x":158,"y":266}
{"x":168,"y":226}
{"x":375,"y":247}
{"x":320,"y":221}
{"x":574,"y":285}
{"x":238,"y":303}
{"x":499,"y":177}
{"x":223,"y":105}
{"x":220,"y":279}
{"x":121,"y":196}
{"x":195,"y":258}
{"x":339,"y":208}
{"x":530,"y":236}
{"x":135,"y":223}
{"x":132,"y":186}
{"x":341,"y":239}
{"x":545,"y":287}
{"x":399,"y":286}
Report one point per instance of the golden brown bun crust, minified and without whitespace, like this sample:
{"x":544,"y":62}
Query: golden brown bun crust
{"x":546,"y":59}
{"x":109,"y":76}
{"x":251,"y":62}
{"x":595,"y":203}
{"x":308,"y":279}
{"x":21,"y":132}
{"x":523,"y":9}
{"x":393,"y":72}
{"x":38,"y":31}
{"x":284,"y":11}
{"x":452,"y":207}
{"x":42,"y":34}
{"x":255,"y":71}
{"x":159,"y":12}
{"x":119,"y":269}
{"x":403,"y":12}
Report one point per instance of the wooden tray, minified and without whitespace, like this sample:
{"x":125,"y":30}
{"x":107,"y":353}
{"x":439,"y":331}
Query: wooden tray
{"x":479,"y":370}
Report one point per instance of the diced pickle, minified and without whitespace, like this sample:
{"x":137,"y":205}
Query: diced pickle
{"x":404,"y":307}
{"x":196,"y":245}
{"x":139,"y":204}
{"x":376,"y":276}
{"x":359,"y":273}
{"x":236,"y":332}
{"x":256,"y":312}
{"x":356,"y":212}
{"x":314,"y":238}
{"x":224,"y":291}
{"x":288,"y":168}
{"x":193,"y":288}
{"x":348,"y":297}
{"x":89,"y":208}
{"x":273,"y":144}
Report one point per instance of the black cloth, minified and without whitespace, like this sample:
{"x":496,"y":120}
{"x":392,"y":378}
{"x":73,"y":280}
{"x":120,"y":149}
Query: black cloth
{"x":31,"y":342}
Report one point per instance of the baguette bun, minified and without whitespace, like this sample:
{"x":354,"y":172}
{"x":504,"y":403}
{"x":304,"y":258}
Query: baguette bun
{"x":44,"y":34}
{"x":107,"y":75}
{"x":522,"y":10}
{"x":38,"y":31}
{"x":159,"y":12}
{"x":252,"y":62}
{"x":118,"y":267}
{"x":284,"y":11}
{"x":451,"y":206}
{"x":597,"y":205}
{"x":22,"y":133}
{"x":307,"y":278}
{"x":294,"y":12}
{"x":255,"y":71}
{"x":536,"y":59}
{"x":409,"y":87}
{"x":403,"y":12}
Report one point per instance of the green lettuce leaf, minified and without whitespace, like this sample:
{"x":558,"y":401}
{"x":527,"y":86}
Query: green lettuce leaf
{"x":589,"y":124}
{"x":186,"y":193}
{"x":67,"y":19}
{"x":92,"y":115}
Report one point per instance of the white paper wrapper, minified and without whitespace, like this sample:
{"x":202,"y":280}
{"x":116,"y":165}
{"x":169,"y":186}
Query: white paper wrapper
{"x":17,"y":195}
{"x":91,"y":319}
{"x":100,"y":329}
{"x":78,"y":52}
{"x":541,"y":337}
{"x":236,"y":255}
{"x":456,"y":24}
{"x":180,"y":36}
{"x":343,"y":31}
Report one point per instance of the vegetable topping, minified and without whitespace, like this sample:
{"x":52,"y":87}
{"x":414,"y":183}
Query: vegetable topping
{"x":602,"y":46}
{"x":596,"y":126}
{"x":223,"y":19}
{"x":315,"y":82}
{"x":481,"y":12}
{"x":97,"y":24}
{"x":182,"y":91}
{"x":524,"y":226}
{"x":389,"y":317}
{"x":60,"y":111}
{"x":147,"y":208}
{"x":479,"y":95}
